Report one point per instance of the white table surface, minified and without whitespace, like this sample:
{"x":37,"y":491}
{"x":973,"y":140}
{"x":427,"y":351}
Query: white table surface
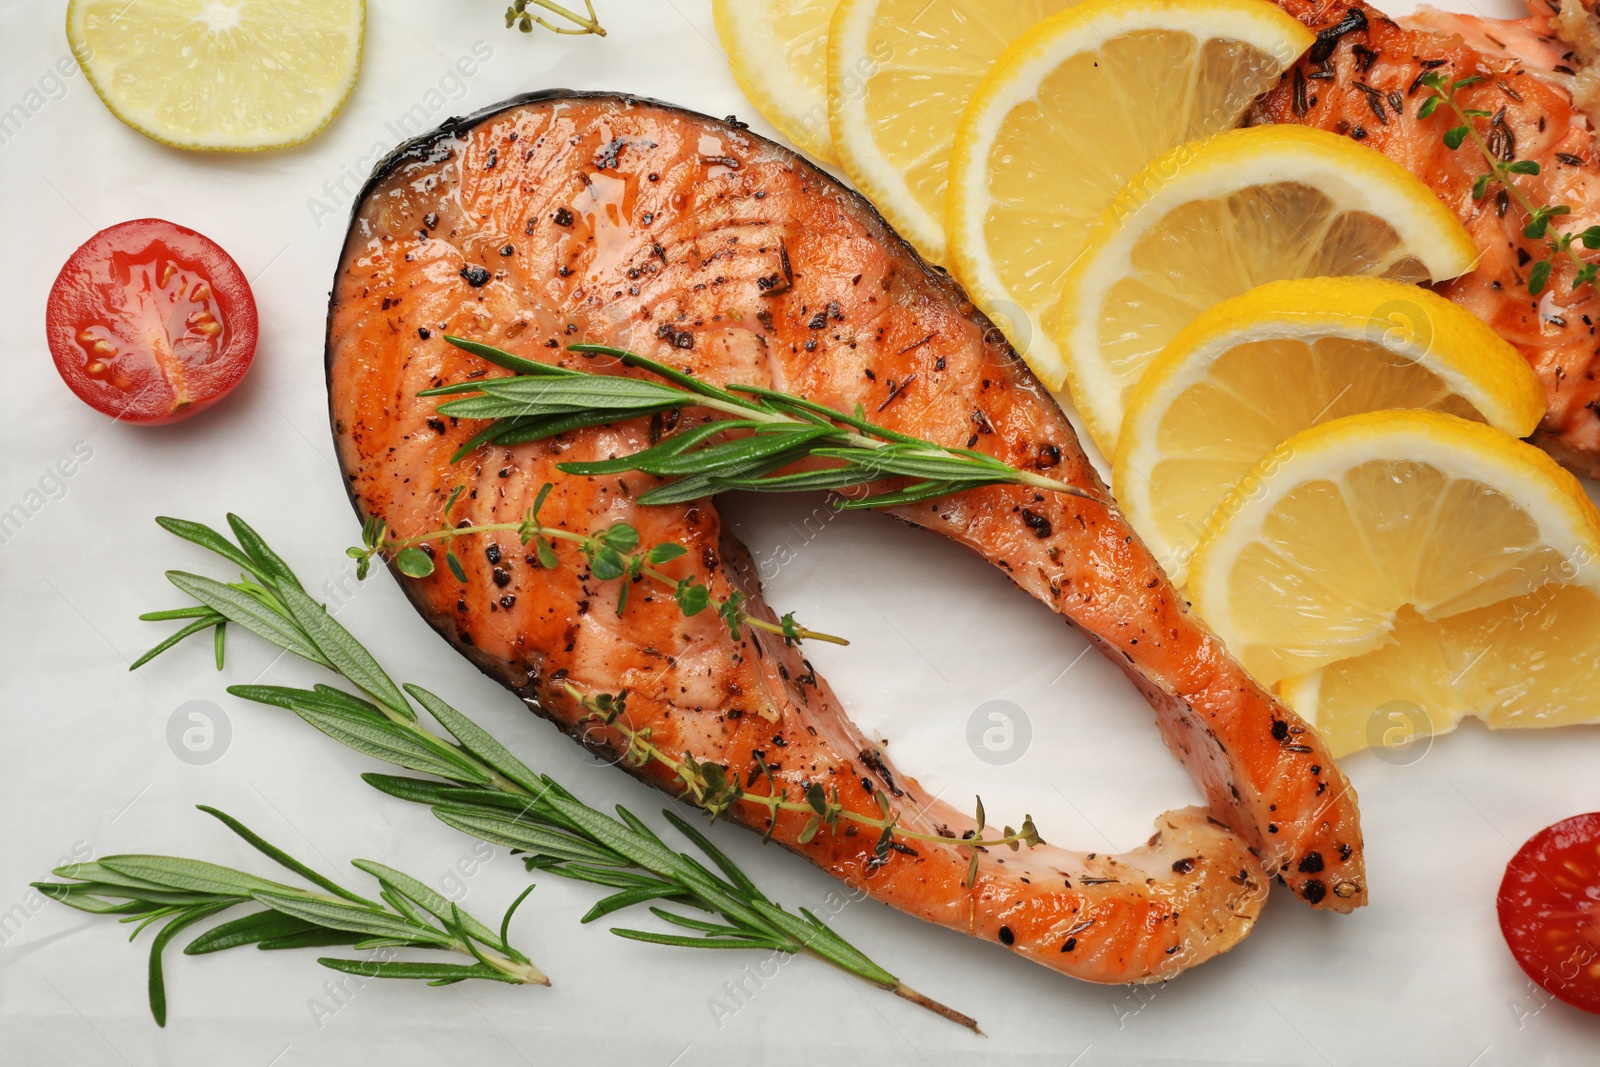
{"x":1421,"y":976}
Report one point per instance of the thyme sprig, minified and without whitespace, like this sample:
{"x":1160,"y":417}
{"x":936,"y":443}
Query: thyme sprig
{"x":766,"y":431}
{"x":715,"y":789}
{"x":1504,"y":172}
{"x":612,"y":554}
{"x":519,"y":16}
{"x":146,"y":889}
{"x":477,"y":786}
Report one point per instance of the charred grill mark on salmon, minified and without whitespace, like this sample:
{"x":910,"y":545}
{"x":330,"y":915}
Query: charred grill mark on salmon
{"x":666,"y":253}
{"x":1370,"y":59}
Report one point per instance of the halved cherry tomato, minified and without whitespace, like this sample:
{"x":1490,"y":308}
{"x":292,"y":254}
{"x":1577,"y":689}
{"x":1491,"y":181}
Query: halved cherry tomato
{"x":1550,"y":910}
{"x":151,"y":322}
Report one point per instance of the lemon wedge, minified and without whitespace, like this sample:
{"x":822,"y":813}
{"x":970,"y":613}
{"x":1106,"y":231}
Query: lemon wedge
{"x":778,"y":50}
{"x":1255,"y":370}
{"x":1211,"y":220}
{"x":900,"y":73}
{"x":1355,"y":536}
{"x":1071,"y":111}
{"x":220,"y":75}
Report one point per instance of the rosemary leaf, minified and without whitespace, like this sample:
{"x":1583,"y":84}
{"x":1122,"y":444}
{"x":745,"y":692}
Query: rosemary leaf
{"x":434,"y":973}
{"x":250,"y":930}
{"x":94,"y":871}
{"x":318,"y":938}
{"x":211,"y":619}
{"x":322,"y":698}
{"x":627,"y":898}
{"x":801,"y":481}
{"x":638,"y":825}
{"x":477,"y":741}
{"x":392,"y":745}
{"x":832,"y":948}
{"x":677,"y":377}
{"x":352,"y":919}
{"x":402,"y":904}
{"x":681,"y":491}
{"x":282,"y":858}
{"x":915,"y":495}
{"x":360,"y":726}
{"x":515,"y":364}
{"x":711,"y":929}
{"x":907,"y":461}
{"x":683,"y":941}
{"x":524,"y":397}
{"x":266,"y":563}
{"x":764,"y":445}
{"x":856,"y":422}
{"x":342,"y":651}
{"x":428,"y":900}
{"x":520,"y":835}
{"x":204,"y":536}
{"x":523,"y":431}
{"x":669,"y":448}
{"x":703,"y":843}
{"x":419,"y":791}
{"x":661,"y":861}
{"x":157,"y":983}
{"x":621,"y":875}
{"x":195,"y":876}
{"x":92,"y":898}
{"x":201,"y":612}
{"x":244,"y":609}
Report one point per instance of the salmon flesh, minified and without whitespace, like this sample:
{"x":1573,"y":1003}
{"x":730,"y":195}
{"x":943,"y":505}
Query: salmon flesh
{"x":566,"y":217}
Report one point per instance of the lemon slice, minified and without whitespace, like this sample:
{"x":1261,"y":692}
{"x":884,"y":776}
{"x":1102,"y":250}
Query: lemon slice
{"x":1254,"y":371}
{"x":1213,"y":220}
{"x":900,"y":72}
{"x":1345,"y":532}
{"x":1533,"y":660}
{"x":1071,"y":111}
{"x":220,"y":75}
{"x":778,"y":50}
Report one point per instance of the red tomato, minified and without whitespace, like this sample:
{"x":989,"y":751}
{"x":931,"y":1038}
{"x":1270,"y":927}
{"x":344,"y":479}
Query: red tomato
{"x":151,"y":322}
{"x":1550,"y":910}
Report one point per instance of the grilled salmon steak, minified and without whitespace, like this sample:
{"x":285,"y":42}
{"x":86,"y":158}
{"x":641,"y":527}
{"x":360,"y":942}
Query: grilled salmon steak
{"x":1362,"y":79}
{"x":561,"y":218}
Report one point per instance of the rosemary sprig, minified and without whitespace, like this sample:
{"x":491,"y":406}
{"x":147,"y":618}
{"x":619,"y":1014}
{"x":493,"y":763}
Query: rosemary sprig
{"x":518,"y":15}
{"x":1504,"y":172}
{"x":145,"y":889}
{"x":612,"y":554}
{"x":485,"y":790}
{"x":771,"y":431}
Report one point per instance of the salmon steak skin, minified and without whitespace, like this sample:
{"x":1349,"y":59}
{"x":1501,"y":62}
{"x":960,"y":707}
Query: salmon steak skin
{"x":1362,"y":79}
{"x":564,"y":217}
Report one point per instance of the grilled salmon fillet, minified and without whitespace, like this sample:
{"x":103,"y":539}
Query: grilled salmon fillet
{"x":564,"y":217}
{"x":1361,"y":80}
